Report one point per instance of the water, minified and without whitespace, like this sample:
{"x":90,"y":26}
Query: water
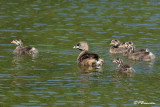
{"x":54,"y":27}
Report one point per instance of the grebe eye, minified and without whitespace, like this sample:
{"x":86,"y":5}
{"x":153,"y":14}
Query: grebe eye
{"x":78,"y":44}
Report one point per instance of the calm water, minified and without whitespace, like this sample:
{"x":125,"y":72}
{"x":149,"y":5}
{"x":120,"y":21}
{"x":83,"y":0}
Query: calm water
{"x":54,"y":27}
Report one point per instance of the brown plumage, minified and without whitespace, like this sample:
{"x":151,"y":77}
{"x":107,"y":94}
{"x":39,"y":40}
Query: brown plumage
{"x":87,"y":59}
{"x":121,"y":67}
{"x":140,"y":54}
{"x":127,"y":45}
{"x":117,"y":47}
{"x":23,"y":50}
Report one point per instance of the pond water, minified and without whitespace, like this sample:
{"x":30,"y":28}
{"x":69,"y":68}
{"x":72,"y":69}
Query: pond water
{"x":53,"y":78}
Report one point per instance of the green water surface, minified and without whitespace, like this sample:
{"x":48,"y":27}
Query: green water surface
{"x":53,"y":78}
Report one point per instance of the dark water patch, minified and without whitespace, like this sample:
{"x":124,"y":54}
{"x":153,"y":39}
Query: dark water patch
{"x":12,"y":3}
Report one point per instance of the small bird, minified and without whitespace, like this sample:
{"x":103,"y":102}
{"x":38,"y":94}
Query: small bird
{"x":121,"y":67}
{"x":23,"y":50}
{"x":139,"y":54}
{"x":88,"y":59}
{"x":117,"y":47}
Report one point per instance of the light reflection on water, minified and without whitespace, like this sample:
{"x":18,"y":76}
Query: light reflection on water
{"x":53,"y":78}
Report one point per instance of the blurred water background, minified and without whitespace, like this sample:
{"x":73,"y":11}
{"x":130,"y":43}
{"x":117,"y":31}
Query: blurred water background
{"x":54,"y":27}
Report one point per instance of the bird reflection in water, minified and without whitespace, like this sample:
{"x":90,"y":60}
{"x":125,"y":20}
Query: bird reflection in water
{"x":89,"y":71}
{"x":124,"y":74}
{"x":19,"y":59}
